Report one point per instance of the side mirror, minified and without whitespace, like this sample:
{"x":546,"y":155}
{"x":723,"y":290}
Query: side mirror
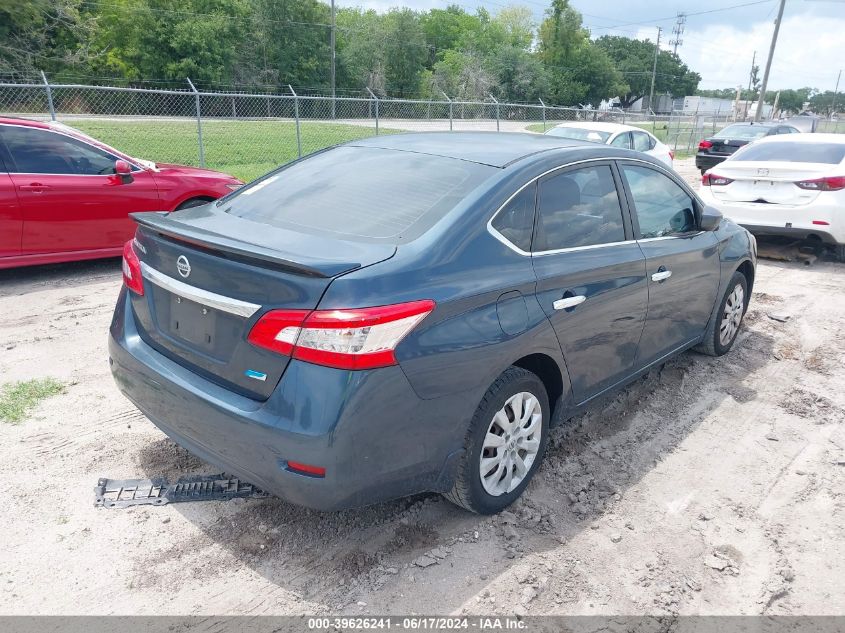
{"x":123,"y":170}
{"x":711,"y":218}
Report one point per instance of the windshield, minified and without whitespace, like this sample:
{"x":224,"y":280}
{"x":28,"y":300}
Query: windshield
{"x":580,"y":134}
{"x":359,"y":193}
{"x":744,"y":132}
{"x":830,"y":153}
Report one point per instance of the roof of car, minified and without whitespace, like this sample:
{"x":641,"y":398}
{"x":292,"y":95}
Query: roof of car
{"x":804,"y":137}
{"x":497,"y":149}
{"x":601,"y":126}
{"x":11,"y":120}
{"x":758,"y":123}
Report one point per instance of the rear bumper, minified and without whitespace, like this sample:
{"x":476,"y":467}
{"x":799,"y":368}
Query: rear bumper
{"x":786,"y":220}
{"x":376,"y":439}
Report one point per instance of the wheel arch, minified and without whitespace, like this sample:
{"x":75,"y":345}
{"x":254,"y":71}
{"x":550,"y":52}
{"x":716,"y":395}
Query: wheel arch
{"x":549,"y":372}
{"x":747,"y":270}
{"x":190,"y":198}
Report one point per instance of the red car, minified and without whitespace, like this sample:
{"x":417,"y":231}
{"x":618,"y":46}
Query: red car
{"x":65,"y":196}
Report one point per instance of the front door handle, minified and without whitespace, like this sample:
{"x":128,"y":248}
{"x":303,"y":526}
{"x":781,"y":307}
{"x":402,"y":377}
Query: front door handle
{"x":661,"y":275}
{"x":35,"y":187}
{"x":569,"y":302}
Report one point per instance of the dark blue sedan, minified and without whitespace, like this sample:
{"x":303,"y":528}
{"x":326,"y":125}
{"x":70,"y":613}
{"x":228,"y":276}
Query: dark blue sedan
{"x":411,"y":313}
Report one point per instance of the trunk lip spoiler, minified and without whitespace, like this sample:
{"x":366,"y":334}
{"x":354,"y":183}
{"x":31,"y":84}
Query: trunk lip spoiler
{"x":198,"y":295}
{"x":161,"y":223}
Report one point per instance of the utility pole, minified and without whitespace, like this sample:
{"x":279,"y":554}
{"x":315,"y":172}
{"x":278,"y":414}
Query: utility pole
{"x":333,"y":58}
{"x":750,"y":83}
{"x":761,"y":100}
{"x":835,"y":90}
{"x":654,"y":71}
{"x":678,"y":31}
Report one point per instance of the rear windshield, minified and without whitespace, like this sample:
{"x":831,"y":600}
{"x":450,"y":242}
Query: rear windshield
{"x":579,"y":134}
{"x":832,"y":153}
{"x":359,"y":193}
{"x":743,"y":132}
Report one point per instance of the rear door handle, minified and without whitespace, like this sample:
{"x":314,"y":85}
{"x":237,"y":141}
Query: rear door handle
{"x":36,"y":187}
{"x":569,"y":302}
{"x":661,"y":275}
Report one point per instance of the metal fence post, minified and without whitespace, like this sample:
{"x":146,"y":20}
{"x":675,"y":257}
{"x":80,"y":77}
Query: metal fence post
{"x":450,"y":109}
{"x":497,"y":111}
{"x":296,"y":117}
{"x":375,"y":98}
{"x":199,"y":121}
{"x":544,"y":115}
{"x":49,"y":96}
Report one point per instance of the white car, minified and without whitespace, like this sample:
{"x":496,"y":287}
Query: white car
{"x":616,"y":134}
{"x":791,"y":185}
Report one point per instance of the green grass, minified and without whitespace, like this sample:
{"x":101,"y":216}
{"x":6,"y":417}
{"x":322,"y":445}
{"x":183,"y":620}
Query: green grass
{"x":19,"y":398}
{"x":537,"y":127}
{"x":245,"y":149}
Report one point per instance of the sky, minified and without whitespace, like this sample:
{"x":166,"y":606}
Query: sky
{"x":719,"y":44}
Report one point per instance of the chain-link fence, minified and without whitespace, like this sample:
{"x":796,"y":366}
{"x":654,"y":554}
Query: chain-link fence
{"x":248,"y":134}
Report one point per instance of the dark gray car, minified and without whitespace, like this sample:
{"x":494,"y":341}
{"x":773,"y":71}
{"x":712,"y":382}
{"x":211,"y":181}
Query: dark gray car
{"x":411,"y":313}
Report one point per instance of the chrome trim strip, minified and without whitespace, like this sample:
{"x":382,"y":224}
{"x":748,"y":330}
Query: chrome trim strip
{"x":516,"y":249}
{"x":204,"y":297}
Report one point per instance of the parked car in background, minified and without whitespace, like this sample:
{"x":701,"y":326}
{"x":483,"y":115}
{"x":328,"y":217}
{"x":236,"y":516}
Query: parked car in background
{"x":411,"y":313}
{"x":785,"y":185}
{"x":713,"y":150}
{"x":617,"y":135}
{"x":65,"y":196}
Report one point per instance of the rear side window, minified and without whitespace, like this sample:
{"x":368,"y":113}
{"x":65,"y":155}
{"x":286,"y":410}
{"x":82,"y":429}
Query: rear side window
{"x":359,"y":193}
{"x":662,"y":206}
{"x":516,"y":219}
{"x":36,"y":151}
{"x":794,"y":152}
{"x":578,"y":208}
{"x":642,"y":141}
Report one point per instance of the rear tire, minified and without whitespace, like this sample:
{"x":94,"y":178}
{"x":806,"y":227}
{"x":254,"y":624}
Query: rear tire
{"x":839,"y":251}
{"x":726,"y":322}
{"x":504,"y":444}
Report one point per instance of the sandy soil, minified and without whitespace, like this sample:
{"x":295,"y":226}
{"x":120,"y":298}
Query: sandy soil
{"x":713,"y":486}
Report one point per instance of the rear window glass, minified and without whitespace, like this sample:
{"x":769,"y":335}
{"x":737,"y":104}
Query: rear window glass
{"x":359,"y":193}
{"x":579,"y":134}
{"x":743,"y":132}
{"x":831,"y":153}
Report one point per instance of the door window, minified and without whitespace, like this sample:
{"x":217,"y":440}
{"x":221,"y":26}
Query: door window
{"x":623,"y":141}
{"x":36,"y":151}
{"x":578,"y":208}
{"x":516,"y":220}
{"x":642,"y":141}
{"x":661,"y":205}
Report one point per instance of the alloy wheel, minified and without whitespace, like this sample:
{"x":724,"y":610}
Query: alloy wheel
{"x":511,"y":444}
{"x":732,"y":315}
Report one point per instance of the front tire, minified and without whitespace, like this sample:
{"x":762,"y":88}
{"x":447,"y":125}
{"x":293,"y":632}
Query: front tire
{"x":724,"y":326}
{"x":504,"y":444}
{"x":839,"y":251}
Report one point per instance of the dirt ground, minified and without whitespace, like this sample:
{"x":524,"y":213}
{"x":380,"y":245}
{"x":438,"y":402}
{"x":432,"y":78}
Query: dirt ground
{"x":713,"y":486}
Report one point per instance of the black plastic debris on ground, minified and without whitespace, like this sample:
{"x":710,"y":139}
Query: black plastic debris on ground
{"x":122,"y":493}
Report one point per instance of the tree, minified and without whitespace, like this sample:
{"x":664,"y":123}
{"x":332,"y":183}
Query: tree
{"x":518,"y":24}
{"x":823,"y":102}
{"x":360,"y":50}
{"x":520,"y":76}
{"x":580,"y":72}
{"x":462,"y":76}
{"x":635,"y":59}
{"x":405,"y":52}
{"x":43,"y":35}
{"x":790,"y":100}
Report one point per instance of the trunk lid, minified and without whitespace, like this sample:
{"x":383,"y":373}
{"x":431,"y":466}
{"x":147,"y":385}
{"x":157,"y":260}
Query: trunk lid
{"x":768,"y":182}
{"x":725,"y":146}
{"x":209,"y":276}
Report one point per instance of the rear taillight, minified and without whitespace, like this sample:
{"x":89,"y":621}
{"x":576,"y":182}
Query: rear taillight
{"x":361,"y":338}
{"x":671,"y":155}
{"x":132,"y":269}
{"x":831,"y":183}
{"x":708,"y":179}
{"x":705,"y":144}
